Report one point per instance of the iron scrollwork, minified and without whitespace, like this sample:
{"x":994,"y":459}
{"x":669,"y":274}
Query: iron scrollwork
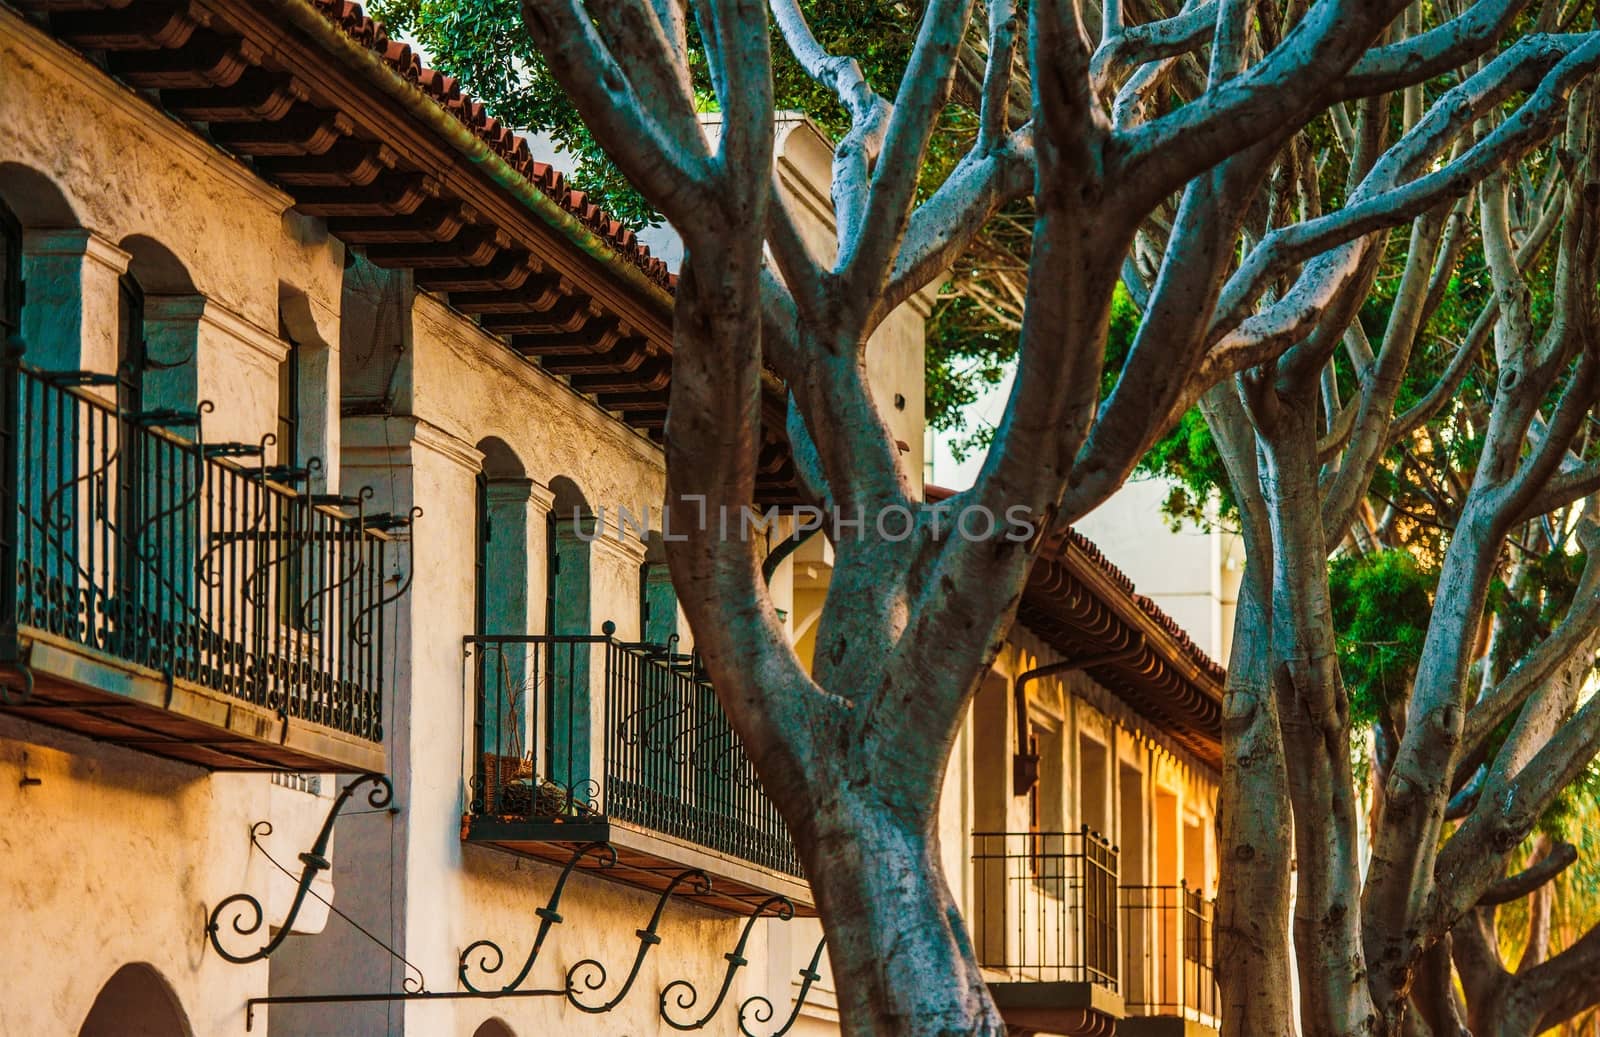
{"x":145,"y":548}
{"x":361,"y":625}
{"x":594,"y":973}
{"x":491,"y":958}
{"x":315,"y":861}
{"x":760,"y":1009}
{"x":686,"y":996}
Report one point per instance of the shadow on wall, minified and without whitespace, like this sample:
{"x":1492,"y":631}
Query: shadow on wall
{"x":136,"y":1002}
{"x":493,"y":1028}
{"x":34,"y":197}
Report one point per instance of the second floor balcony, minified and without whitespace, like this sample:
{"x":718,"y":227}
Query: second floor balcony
{"x":585,"y":739}
{"x":1167,"y":960}
{"x":181,"y":597}
{"x":1043,"y":919}
{"x":1068,"y":950}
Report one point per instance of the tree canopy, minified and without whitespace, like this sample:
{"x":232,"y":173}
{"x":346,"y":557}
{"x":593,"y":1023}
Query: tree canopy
{"x":1337,"y":260}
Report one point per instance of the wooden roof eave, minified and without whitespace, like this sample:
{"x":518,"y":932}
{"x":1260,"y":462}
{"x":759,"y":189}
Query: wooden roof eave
{"x":385,"y":106}
{"x":431,"y":138}
{"x":1172,"y":654}
{"x":1146,"y":679}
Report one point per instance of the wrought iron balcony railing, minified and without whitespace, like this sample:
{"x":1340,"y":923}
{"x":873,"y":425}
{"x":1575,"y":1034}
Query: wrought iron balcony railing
{"x":1045,"y":906}
{"x":1167,"y":952}
{"x":574,"y":732}
{"x":192,"y":559}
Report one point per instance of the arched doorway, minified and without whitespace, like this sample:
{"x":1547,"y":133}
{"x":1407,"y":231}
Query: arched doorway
{"x":136,"y":1002}
{"x":571,"y":528}
{"x":31,"y":202}
{"x":508,"y":705}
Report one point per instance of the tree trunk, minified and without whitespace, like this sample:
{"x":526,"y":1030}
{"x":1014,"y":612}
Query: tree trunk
{"x":1253,"y":841}
{"x":1254,"y":835}
{"x":902,"y":961}
{"x":1314,"y":716}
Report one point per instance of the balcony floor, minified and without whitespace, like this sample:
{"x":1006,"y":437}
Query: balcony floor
{"x":110,"y":700}
{"x":1070,"y":1009}
{"x":1163,"y":1026}
{"x":645,"y":860}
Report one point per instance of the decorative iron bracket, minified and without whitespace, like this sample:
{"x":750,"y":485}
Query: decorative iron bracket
{"x":760,"y":1008}
{"x":687,"y":995}
{"x":315,"y":861}
{"x":588,"y":975}
{"x":548,"y":917}
{"x":595,"y":977}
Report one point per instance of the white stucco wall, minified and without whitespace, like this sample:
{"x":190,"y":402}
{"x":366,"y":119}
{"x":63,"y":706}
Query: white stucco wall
{"x":109,"y":856}
{"x":436,"y":893}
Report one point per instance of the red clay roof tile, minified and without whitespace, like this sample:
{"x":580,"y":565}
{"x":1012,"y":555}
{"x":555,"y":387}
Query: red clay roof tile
{"x":1056,"y":546}
{"x":500,"y":138}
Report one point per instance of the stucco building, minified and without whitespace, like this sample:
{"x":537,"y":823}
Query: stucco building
{"x":332,"y":451}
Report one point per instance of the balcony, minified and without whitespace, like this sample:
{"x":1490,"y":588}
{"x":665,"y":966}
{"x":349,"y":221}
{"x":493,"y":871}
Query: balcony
{"x":1168,"y":980}
{"x":179,"y":597}
{"x":1044,"y":928}
{"x":584,"y":739}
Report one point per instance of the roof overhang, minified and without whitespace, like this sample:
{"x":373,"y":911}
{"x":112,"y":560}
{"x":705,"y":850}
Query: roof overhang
{"x":413,"y":173}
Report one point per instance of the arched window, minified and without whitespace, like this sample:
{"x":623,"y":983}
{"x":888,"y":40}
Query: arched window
{"x":159,"y":331}
{"x":10,"y":273}
{"x":502,"y":540}
{"x":492,"y":1028}
{"x":47,"y":280}
{"x":158,"y":337}
{"x":131,"y":355}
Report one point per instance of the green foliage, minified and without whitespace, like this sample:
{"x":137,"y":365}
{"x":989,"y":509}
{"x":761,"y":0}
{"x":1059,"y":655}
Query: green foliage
{"x":1529,"y":611}
{"x":483,"y":43}
{"x":967,"y":355}
{"x":1381,"y":605}
{"x":1572,"y":814}
{"x":1186,"y":457}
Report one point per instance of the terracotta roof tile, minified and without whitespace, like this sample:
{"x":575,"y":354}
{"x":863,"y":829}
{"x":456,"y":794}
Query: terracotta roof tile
{"x":1056,"y":545}
{"x":445,"y":90}
{"x":1199,"y":655}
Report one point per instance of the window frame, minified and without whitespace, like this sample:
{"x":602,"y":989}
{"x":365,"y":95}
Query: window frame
{"x":290,"y":417}
{"x":11,"y":276}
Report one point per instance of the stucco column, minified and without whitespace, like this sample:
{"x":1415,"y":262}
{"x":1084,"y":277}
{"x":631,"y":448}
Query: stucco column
{"x":395,"y":868}
{"x":236,"y":360}
{"x":69,"y":322}
{"x":615,"y":558}
{"x":541,"y":500}
{"x":69,"y":317}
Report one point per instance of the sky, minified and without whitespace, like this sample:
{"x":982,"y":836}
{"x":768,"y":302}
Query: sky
{"x":987,"y":409}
